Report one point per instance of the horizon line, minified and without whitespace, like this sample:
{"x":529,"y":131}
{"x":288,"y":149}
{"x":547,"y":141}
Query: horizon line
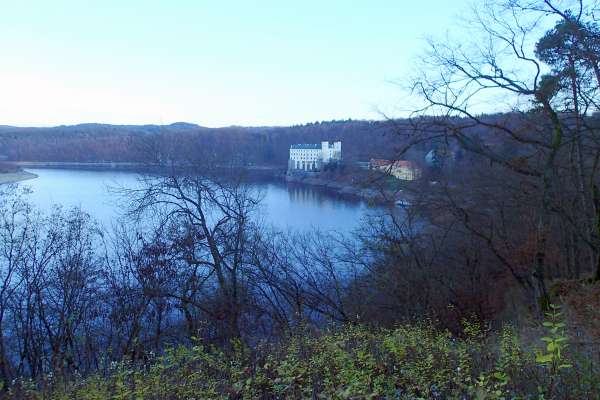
{"x":191,"y":123}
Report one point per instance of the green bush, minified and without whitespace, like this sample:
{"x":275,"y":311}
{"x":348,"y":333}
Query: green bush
{"x":413,"y":361}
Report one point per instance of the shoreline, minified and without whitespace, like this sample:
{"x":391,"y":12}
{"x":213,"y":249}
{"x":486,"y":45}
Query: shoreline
{"x":342,"y":188}
{"x":14,"y":177}
{"x":119,"y":166}
{"x":272,"y":172}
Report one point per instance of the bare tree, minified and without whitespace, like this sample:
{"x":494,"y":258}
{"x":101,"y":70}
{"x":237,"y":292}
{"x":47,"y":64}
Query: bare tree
{"x":212,"y":221}
{"x":536,"y":58}
{"x":14,"y":236}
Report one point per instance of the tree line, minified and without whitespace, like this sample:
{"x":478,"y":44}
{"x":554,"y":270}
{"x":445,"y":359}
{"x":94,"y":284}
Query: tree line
{"x":183,"y":142}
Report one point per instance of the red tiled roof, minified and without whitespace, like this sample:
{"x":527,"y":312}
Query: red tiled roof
{"x":378,"y":162}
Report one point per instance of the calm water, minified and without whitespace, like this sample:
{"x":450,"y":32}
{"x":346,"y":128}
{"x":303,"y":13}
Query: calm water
{"x":285,"y":206}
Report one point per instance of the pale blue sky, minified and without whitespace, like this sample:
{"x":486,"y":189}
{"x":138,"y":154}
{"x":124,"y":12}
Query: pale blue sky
{"x":215,"y":63}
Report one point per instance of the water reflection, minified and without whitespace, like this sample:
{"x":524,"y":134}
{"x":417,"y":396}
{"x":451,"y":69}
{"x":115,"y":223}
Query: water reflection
{"x":322,"y":197}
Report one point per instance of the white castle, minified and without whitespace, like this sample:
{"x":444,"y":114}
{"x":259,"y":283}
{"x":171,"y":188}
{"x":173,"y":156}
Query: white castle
{"x":312,"y":157}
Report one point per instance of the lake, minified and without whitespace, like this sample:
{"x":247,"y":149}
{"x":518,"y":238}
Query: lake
{"x":286,"y":206}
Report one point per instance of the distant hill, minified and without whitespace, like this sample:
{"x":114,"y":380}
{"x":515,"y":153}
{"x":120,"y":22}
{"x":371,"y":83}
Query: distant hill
{"x":92,"y":142}
{"x":97,"y":129}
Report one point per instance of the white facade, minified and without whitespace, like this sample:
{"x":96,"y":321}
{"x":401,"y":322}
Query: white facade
{"x":311,"y":157}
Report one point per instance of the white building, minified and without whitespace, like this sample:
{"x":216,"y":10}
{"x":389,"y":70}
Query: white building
{"x":311,"y":157}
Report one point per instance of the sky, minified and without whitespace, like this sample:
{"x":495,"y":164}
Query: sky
{"x":214,"y":63}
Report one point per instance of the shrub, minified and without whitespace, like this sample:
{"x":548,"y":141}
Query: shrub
{"x":412,"y":361}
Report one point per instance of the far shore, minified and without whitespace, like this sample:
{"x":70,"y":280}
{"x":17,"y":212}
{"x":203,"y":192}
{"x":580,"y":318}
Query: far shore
{"x":13,"y":177}
{"x":256,"y":171}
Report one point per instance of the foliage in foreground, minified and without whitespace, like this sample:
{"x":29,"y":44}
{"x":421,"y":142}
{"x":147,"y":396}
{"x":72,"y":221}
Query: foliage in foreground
{"x":410,"y":362}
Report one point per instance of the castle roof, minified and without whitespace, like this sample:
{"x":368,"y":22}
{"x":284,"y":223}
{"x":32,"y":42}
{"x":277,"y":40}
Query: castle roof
{"x":306,"y":146}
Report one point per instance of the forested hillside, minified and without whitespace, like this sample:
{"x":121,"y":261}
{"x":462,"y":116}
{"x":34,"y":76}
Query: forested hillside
{"x":182,"y":141}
